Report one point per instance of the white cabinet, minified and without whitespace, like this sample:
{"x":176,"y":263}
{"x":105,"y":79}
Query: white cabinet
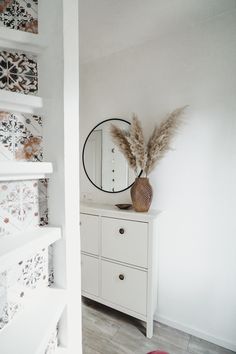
{"x":89,"y":233}
{"x":119,"y":237}
{"x":90,"y":273}
{"x":119,"y":259}
{"x":124,"y":286}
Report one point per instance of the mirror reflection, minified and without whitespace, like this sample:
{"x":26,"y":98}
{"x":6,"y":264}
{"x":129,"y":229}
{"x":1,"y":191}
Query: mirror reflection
{"x":104,"y":164}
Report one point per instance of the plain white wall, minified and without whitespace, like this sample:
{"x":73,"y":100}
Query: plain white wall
{"x":194,"y":185}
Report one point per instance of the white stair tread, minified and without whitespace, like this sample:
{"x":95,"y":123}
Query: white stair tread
{"x":12,"y":38}
{"x":20,"y":102}
{"x":12,"y":170}
{"x":13,"y":247}
{"x":30,"y":330}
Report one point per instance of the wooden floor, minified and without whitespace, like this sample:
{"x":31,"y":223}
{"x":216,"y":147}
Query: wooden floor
{"x":106,"y":331}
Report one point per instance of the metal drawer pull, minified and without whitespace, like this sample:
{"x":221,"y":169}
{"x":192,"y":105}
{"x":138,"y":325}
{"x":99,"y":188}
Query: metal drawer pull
{"x":121,"y":231}
{"x":121,"y":277}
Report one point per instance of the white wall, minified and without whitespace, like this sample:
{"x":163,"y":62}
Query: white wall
{"x":195,"y":184}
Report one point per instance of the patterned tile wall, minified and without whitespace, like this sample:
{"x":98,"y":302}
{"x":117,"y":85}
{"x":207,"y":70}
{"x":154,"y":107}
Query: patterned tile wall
{"x":18,"y":282}
{"x":19,"y":14}
{"x":20,"y":137}
{"x":18,"y":72}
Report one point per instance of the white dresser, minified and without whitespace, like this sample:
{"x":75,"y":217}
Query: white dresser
{"x":119,"y":259}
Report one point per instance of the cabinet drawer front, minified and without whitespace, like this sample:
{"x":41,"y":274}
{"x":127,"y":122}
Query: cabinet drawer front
{"x":89,"y":274}
{"x":89,"y":232}
{"x":124,"y":286}
{"x":125,"y":241}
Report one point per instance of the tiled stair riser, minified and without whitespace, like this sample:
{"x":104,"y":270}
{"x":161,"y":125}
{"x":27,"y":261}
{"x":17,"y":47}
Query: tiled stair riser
{"x":19,"y":14}
{"x":21,"y":137}
{"x":23,"y":205}
{"x":18,"y":283}
{"x":18,"y":72}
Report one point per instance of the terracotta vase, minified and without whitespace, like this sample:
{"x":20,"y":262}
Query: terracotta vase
{"x":141,"y":194}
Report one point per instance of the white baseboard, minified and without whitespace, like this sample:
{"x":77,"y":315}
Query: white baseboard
{"x":195,"y":332}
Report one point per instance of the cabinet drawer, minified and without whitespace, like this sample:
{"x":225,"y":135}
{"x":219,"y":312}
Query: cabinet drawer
{"x":89,"y":274}
{"x":125,"y":241}
{"x":124,"y":286}
{"x":89,"y":232}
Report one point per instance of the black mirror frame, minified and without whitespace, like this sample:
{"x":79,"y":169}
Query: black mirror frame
{"x":104,"y":121}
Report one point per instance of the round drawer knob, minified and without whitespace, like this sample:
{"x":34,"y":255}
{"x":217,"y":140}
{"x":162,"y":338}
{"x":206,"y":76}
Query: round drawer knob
{"x":121,"y":277}
{"x":121,"y":231}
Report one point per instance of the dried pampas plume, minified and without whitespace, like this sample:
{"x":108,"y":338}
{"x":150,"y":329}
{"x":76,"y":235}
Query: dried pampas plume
{"x":133,"y":147}
{"x":159,"y":142}
{"x":120,"y":138}
{"x":137,"y":143}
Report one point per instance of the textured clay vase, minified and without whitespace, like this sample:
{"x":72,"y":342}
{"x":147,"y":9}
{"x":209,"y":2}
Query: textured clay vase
{"x":141,"y":194}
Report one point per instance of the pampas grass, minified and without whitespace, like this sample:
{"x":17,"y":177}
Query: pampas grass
{"x":145,"y":157}
{"x":137,"y":143}
{"x":120,"y":138}
{"x":159,"y":142}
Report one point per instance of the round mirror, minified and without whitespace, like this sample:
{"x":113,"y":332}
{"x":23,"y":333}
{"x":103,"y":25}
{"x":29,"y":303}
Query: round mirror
{"x":104,"y":164}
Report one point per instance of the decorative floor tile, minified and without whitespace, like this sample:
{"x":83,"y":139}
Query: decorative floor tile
{"x":7,"y":14}
{"x":8,"y":312}
{"x":4,"y":4}
{"x":29,"y":204}
{"x":22,"y":84}
{"x":19,"y":202}
{"x":20,"y":210}
{"x":3,"y":61}
{"x":50,"y":266}
{"x":19,"y":14}
{"x":18,"y":72}
{"x":21,"y":64}
{"x":43,"y":201}
{"x":43,"y":213}
{"x":20,"y":137}
{"x":34,"y":271}
{"x":23,"y":205}
{"x":6,"y":20}
{"x":27,"y":8}
{"x":6,"y":227}
{"x":18,"y":282}
{"x":6,"y":143}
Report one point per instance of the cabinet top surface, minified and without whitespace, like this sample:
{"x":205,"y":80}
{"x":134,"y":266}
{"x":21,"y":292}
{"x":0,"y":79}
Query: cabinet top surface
{"x":112,"y":211}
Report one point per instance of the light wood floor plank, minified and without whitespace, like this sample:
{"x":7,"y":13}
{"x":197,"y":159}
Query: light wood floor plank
{"x":107,"y":331}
